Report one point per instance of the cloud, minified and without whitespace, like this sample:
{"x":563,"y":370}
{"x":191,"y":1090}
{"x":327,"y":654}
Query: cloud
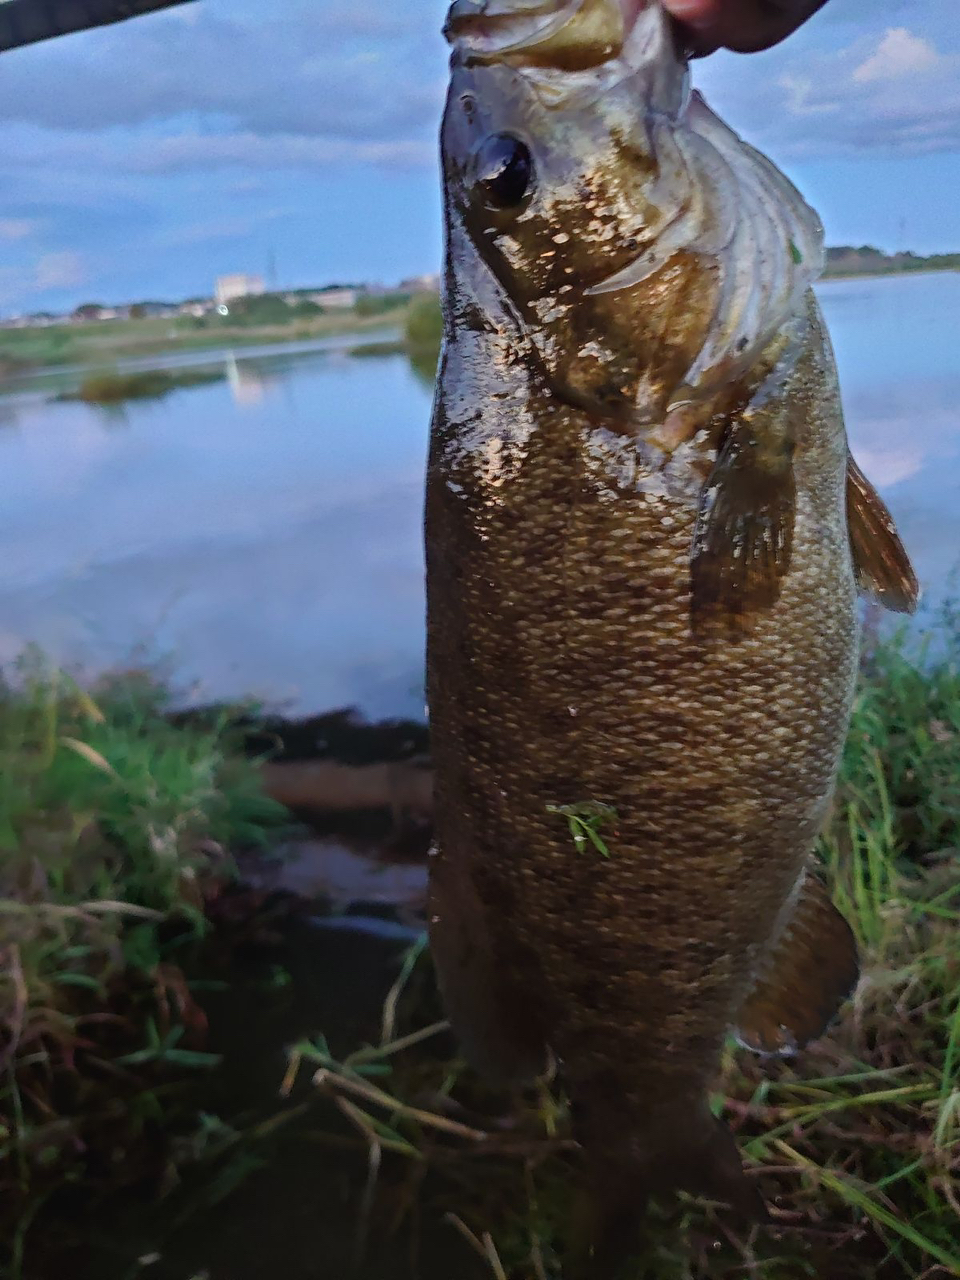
{"x":61,"y":269}
{"x":898,"y":54}
{"x":153,"y":148}
{"x":195,"y":150}
{"x":356,"y":82}
{"x":894,"y":92}
{"x":887,"y":467}
{"x":188,"y":149}
{"x":223,"y":227}
{"x":345,"y":71}
{"x":17,"y":228}
{"x":802,"y":97}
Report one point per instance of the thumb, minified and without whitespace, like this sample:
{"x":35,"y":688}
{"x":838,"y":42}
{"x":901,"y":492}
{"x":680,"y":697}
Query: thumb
{"x":746,"y":26}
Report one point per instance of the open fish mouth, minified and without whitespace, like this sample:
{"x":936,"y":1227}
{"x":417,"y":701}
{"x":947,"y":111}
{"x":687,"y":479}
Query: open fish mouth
{"x":567,"y":34}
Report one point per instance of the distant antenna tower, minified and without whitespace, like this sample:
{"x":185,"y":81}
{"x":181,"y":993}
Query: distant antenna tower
{"x":903,"y":235}
{"x":272,"y":272}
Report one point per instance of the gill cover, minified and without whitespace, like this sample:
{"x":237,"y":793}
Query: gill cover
{"x":611,"y":68}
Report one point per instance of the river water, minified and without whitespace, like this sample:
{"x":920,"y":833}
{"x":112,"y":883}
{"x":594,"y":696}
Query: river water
{"x":261,"y":534}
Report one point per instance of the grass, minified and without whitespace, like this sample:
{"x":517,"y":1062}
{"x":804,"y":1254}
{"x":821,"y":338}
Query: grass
{"x":585,"y":822}
{"x":112,"y":388}
{"x":855,"y":1145}
{"x":114,"y":827}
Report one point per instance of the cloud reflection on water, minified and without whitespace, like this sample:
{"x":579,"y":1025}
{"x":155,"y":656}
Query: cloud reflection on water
{"x":264,"y":532}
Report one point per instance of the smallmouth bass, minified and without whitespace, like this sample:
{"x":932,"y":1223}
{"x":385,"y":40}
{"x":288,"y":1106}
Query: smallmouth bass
{"x":645,"y":535}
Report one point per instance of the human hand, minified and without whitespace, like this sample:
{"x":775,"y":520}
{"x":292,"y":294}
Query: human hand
{"x":745,"y":26}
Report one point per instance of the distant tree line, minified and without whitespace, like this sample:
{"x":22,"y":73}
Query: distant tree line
{"x":270,"y":309}
{"x":866,"y":259}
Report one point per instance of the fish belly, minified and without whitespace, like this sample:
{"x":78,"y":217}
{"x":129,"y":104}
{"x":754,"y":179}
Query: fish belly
{"x":564,"y":675}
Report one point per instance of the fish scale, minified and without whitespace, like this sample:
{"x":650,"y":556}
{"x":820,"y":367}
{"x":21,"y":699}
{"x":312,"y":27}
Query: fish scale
{"x":635,"y":601}
{"x":645,"y":738}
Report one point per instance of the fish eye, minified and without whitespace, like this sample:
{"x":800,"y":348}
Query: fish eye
{"x":503,"y":171}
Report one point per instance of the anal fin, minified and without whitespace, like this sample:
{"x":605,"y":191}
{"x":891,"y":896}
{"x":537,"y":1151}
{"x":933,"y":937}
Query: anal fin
{"x":882,"y":565}
{"x":811,"y":970}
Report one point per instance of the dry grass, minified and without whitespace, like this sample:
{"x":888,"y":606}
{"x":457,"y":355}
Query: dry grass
{"x":855,"y":1146}
{"x":112,"y":823}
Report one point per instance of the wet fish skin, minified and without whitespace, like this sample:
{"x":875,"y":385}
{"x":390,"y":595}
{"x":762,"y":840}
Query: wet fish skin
{"x":640,"y":596}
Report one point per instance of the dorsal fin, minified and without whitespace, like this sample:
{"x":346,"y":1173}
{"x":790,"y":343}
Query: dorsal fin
{"x":882,"y":565}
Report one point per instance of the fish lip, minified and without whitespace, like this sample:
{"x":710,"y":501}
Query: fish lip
{"x":477,"y":17}
{"x":493,"y":30}
{"x":460,"y":12}
{"x":571,"y":50}
{"x":464,"y":13}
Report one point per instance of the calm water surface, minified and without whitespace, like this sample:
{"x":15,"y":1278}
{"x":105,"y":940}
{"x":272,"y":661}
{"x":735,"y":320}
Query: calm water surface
{"x":261,"y":534}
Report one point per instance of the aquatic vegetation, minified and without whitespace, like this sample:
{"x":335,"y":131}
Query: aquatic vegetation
{"x":116,"y":827}
{"x":151,"y":384}
{"x":424,"y":323}
{"x":855,"y":1145}
{"x":420,"y":341}
{"x":423,"y":333}
{"x":377,"y":350}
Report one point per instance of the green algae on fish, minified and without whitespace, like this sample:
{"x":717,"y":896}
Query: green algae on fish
{"x":585,"y":822}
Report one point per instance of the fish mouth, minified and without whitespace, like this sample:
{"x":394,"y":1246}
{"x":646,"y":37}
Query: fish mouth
{"x":566,"y":34}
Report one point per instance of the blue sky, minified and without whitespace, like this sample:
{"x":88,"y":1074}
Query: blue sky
{"x":142,"y":160}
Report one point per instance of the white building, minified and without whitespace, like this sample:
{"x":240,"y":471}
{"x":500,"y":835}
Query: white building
{"x":420,"y":284}
{"x":335,"y":299}
{"x":229,"y":288}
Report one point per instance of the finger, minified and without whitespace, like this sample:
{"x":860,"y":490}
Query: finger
{"x":746,"y":26}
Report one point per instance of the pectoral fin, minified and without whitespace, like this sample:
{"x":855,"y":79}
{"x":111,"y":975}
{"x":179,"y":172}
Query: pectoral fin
{"x":743,"y":542}
{"x":882,"y":565}
{"x":810,"y":972}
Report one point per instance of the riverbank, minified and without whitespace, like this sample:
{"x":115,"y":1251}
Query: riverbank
{"x":883,"y":274}
{"x":866,"y":260}
{"x":855,"y":1147}
{"x":155,"y":1004}
{"x":144,"y":861}
{"x":118,"y":834}
{"x":117,"y":388}
{"x":110,"y":375}
{"x":106,"y":343}
{"x":419,"y":340}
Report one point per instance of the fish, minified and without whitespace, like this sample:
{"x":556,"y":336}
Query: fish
{"x":645,"y":542}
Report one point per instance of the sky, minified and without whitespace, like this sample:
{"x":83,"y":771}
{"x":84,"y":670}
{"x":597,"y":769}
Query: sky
{"x":142,"y":160}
